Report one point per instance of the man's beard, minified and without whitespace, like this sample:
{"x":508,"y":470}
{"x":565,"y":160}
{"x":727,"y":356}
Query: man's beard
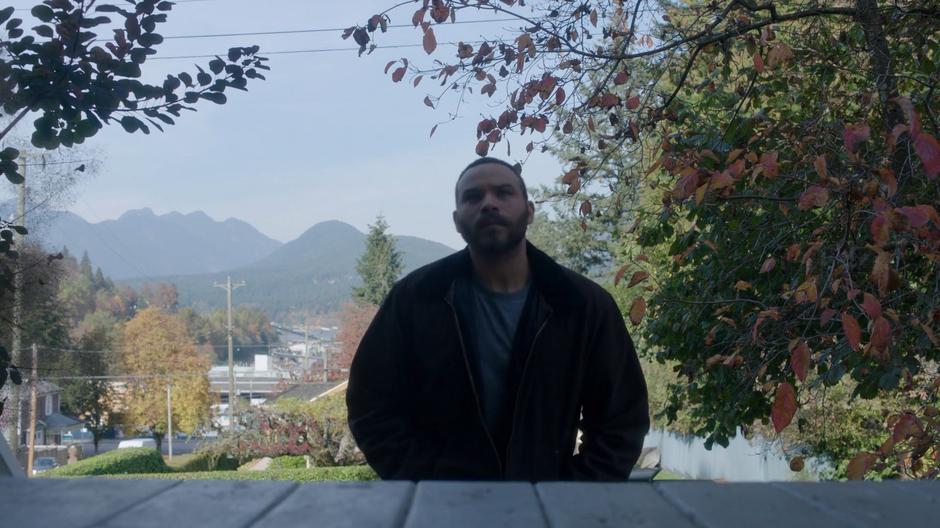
{"x":494,"y":242}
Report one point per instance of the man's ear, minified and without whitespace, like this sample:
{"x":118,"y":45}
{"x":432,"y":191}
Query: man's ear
{"x":453,"y":217}
{"x":530,"y":206}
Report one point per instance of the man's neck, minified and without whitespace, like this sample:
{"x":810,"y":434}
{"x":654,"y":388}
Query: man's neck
{"x":504,"y":273}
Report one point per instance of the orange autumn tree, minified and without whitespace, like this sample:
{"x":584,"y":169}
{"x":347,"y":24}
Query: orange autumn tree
{"x":788,"y":154}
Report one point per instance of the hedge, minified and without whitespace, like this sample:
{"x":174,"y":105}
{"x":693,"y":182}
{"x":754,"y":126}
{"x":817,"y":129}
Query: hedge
{"x":206,"y":461}
{"x":137,"y":460}
{"x":322,"y":474}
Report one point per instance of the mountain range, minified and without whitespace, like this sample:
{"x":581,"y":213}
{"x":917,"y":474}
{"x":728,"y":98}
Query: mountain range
{"x":313,"y":273}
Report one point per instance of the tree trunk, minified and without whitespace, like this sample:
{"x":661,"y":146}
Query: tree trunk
{"x":882,"y":73}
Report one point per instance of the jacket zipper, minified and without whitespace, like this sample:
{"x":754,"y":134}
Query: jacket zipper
{"x":525,"y":369}
{"x":476,"y":397}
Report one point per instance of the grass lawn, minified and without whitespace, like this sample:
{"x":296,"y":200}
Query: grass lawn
{"x":669,"y":475}
{"x":178,"y":460}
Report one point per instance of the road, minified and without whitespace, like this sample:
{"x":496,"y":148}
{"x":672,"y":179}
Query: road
{"x":180,"y":447}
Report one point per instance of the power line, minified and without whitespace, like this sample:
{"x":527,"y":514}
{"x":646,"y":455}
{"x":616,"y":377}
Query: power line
{"x":313,"y":50}
{"x":320,"y":30}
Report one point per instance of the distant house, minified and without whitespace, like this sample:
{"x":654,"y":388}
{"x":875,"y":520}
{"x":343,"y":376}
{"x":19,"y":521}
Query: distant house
{"x":309,"y":391}
{"x":51,"y":424}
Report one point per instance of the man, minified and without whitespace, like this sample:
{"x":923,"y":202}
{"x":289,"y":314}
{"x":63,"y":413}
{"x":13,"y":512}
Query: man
{"x":484,"y":364}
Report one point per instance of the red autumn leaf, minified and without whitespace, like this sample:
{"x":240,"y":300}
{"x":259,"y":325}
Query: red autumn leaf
{"x":559,"y":96}
{"x":483,"y":147}
{"x":389,"y":65}
{"x":871,"y":306}
{"x":418,"y":17}
{"x":907,"y":425}
{"x":440,"y":12}
{"x":428,"y":102}
{"x":879,"y":230}
{"x":433,"y":130}
{"x":784,"y":407}
{"x":881,"y":271}
{"x":880,"y":334}
{"x":929,"y":152}
{"x":815,"y":196}
{"x":912,"y":118}
{"x":430,"y":42}
{"x":621,"y":78}
{"x":633,"y":103}
{"x":768,"y":161}
{"x":799,"y":360}
{"x":852,"y":331}
{"x":768,"y":265}
{"x":854,"y":135}
{"x":619,"y":276}
{"x":917,"y":215}
{"x":637,"y":278}
{"x":637,"y":310}
{"x":827,"y":316}
{"x":399,"y":74}
{"x":586,"y":208}
{"x":859,"y":465}
{"x":758,"y":62}
{"x":821,"y":170}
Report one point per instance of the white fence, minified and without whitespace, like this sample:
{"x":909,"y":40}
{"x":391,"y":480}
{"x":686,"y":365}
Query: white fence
{"x":742,"y":461}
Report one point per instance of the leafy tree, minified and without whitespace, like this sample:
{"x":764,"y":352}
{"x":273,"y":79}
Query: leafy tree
{"x":80,"y":68}
{"x":792,"y":146}
{"x":93,"y":400}
{"x":379,"y":266}
{"x":80,"y":80}
{"x":354,"y":321}
{"x":158,"y":350}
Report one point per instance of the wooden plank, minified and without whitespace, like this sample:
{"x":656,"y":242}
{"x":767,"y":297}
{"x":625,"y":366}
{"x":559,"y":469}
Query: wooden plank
{"x":205,"y":503}
{"x":465,"y":504}
{"x":75,"y":502}
{"x":342,"y":504}
{"x":589,"y":505}
{"x":709,"y":504}
{"x":870,"y":503}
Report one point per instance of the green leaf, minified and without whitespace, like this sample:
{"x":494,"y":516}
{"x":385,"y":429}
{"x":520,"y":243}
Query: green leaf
{"x":43,"y":12}
{"x":131,"y":124}
{"x":9,"y":153}
{"x":44,"y":31}
{"x":5,"y":14}
{"x":215,"y":97}
{"x":148,"y":40}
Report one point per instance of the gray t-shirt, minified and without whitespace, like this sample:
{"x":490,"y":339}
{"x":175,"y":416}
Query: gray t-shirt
{"x":492,"y":318}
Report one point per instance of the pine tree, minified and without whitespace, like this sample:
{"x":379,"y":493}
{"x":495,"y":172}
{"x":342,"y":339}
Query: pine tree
{"x":379,"y":266}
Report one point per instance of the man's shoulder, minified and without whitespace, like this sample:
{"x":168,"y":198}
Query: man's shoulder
{"x":431,"y":278}
{"x":592,"y":291}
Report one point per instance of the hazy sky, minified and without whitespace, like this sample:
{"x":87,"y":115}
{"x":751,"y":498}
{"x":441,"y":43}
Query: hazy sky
{"x":327,"y":136}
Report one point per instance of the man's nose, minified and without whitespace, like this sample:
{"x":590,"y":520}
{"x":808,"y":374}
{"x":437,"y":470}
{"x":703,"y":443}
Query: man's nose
{"x":489,"y":202}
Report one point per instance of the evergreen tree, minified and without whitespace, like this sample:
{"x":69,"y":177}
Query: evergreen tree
{"x":379,"y":266}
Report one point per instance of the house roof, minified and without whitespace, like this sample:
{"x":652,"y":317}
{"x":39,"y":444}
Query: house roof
{"x":306,"y":391}
{"x":59,"y":421}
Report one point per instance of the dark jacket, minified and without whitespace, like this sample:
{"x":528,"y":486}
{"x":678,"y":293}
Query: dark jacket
{"x":414,"y":405}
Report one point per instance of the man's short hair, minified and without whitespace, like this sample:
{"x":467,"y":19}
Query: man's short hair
{"x":516,"y":169}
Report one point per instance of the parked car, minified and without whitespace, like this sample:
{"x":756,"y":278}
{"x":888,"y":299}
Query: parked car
{"x":44,"y":464}
{"x":137,"y":442}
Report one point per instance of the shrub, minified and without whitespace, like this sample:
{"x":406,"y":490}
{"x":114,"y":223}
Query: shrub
{"x":130,"y":460}
{"x":288,"y":462}
{"x":206,"y":460}
{"x":321,"y":474}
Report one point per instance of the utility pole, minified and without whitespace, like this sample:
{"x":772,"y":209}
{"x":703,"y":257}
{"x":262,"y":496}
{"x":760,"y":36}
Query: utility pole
{"x":16,"y":341}
{"x":228,"y":287}
{"x":32,"y":413}
{"x":169,"y":416}
{"x":306,"y":350}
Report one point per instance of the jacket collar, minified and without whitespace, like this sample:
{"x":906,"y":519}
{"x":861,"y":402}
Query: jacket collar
{"x":549,"y":278}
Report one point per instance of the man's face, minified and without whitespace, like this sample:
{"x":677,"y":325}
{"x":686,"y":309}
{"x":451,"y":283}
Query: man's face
{"x":492,"y":213}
